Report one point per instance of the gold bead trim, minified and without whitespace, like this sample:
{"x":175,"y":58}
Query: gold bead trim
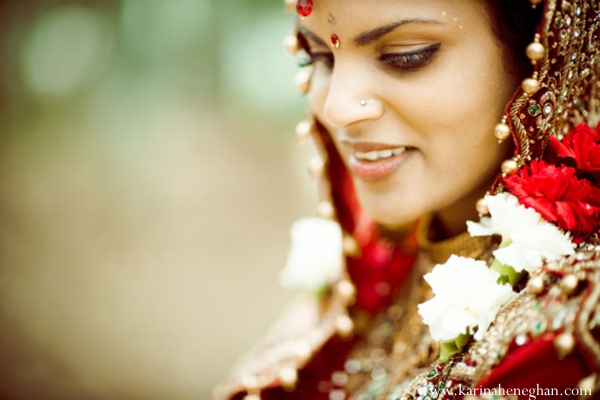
{"x":303,"y":78}
{"x":509,"y":167}
{"x":316,"y":167}
{"x":534,"y":3}
{"x":291,"y":44}
{"x":482,"y":208}
{"x":564,"y":344}
{"x":304,"y":131}
{"x":502,"y":130}
{"x":290,"y":5}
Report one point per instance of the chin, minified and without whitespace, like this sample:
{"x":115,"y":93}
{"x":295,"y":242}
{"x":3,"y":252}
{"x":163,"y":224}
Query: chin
{"x":390,"y":216}
{"x":390,"y":203}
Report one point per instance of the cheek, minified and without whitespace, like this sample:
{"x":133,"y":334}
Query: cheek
{"x":455,"y":112}
{"x":462,"y":102}
{"x":465,"y":84}
{"x":470,"y":98}
{"x":479,"y":103}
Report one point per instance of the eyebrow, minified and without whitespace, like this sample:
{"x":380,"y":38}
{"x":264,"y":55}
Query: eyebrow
{"x":369,"y":37}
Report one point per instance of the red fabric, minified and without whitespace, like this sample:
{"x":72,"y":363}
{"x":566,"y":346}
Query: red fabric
{"x":383,"y":264}
{"x":378,"y":272}
{"x":314,"y":379}
{"x":536,"y":365}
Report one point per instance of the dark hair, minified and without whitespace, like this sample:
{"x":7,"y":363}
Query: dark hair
{"x":514,"y":22}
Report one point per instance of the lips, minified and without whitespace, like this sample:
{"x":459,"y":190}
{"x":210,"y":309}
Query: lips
{"x":373,"y":161}
{"x":379,"y":155}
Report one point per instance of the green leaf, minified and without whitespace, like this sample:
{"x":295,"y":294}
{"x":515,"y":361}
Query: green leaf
{"x":452,"y":347}
{"x":507,"y":273}
{"x":321,"y":292}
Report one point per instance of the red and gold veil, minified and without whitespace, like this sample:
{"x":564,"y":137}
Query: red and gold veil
{"x":562,"y":92}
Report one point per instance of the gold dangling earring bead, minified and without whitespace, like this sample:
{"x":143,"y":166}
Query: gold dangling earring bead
{"x":482,"y":207}
{"x":346,"y":290}
{"x":531,"y":85}
{"x":251,"y":385}
{"x":502,"y":130}
{"x":535,"y":51}
{"x":290,"y":5}
{"x":509,"y":167}
{"x":344,"y":326}
{"x":291,"y":44}
{"x":316,"y":167}
{"x":351,"y":246}
{"x":325,"y":210}
{"x":288,"y":377}
{"x":303,"y":131}
{"x":536,"y":285}
{"x":569,"y":283}
{"x":303,"y":80}
{"x":564,"y":344}
{"x":534,"y":3}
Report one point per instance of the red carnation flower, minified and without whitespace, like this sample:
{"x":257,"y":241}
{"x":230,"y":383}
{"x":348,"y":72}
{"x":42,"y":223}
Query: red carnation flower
{"x":559,"y":196}
{"x":579,"y":149}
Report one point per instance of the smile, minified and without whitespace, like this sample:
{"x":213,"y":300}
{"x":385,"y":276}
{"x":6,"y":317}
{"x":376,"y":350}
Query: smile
{"x":379,"y":155}
{"x":375,"y":165}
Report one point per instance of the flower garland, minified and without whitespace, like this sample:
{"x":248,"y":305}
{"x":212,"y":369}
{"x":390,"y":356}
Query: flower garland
{"x":551,"y":206}
{"x":315,"y":259}
{"x":565,"y":189}
{"x":462,"y":307}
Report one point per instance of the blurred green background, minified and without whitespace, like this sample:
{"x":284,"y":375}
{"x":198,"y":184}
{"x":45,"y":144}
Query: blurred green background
{"x":148,"y":177}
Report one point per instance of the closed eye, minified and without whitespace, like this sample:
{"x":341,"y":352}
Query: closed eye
{"x":411,"y":60}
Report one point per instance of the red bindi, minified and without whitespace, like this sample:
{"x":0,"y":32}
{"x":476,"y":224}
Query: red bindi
{"x":335,"y":40}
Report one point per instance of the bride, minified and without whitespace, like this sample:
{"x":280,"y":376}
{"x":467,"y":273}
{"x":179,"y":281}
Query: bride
{"x":457,"y":253}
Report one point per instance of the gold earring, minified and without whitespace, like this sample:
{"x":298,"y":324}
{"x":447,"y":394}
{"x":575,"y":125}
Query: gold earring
{"x":303,"y":78}
{"x":502,"y":130}
{"x":535,"y":52}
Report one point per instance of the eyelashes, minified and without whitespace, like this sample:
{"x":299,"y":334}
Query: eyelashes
{"x":412,"y":60}
{"x":404,"y":62}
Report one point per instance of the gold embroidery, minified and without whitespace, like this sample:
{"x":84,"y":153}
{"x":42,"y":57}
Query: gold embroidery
{"x":568,"y":75}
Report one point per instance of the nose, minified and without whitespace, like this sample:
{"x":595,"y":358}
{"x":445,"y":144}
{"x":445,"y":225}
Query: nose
{"x":351,"y":97}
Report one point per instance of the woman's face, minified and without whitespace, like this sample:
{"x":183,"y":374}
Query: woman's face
{"x":411,"y":97}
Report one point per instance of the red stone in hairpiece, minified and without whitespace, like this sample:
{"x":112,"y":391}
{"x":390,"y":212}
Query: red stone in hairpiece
{"x":304,"y":7}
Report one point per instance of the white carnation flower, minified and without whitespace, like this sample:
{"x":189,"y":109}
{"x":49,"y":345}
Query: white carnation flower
{"x":467,"y":296}
{"x":528,"y":240}
{"x":316,"y":256}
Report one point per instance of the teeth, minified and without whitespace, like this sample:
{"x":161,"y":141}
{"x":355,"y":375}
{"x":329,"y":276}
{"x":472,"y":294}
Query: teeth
{"x":379,"y":155}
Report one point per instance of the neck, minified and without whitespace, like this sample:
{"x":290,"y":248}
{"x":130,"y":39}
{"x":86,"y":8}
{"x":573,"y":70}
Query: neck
{"x":448,"y":224}
{"x":440,"y":250}
{"x":452,"y":220}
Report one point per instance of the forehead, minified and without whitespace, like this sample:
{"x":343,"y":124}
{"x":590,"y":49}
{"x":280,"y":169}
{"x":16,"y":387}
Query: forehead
{"x":354,"y":15}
